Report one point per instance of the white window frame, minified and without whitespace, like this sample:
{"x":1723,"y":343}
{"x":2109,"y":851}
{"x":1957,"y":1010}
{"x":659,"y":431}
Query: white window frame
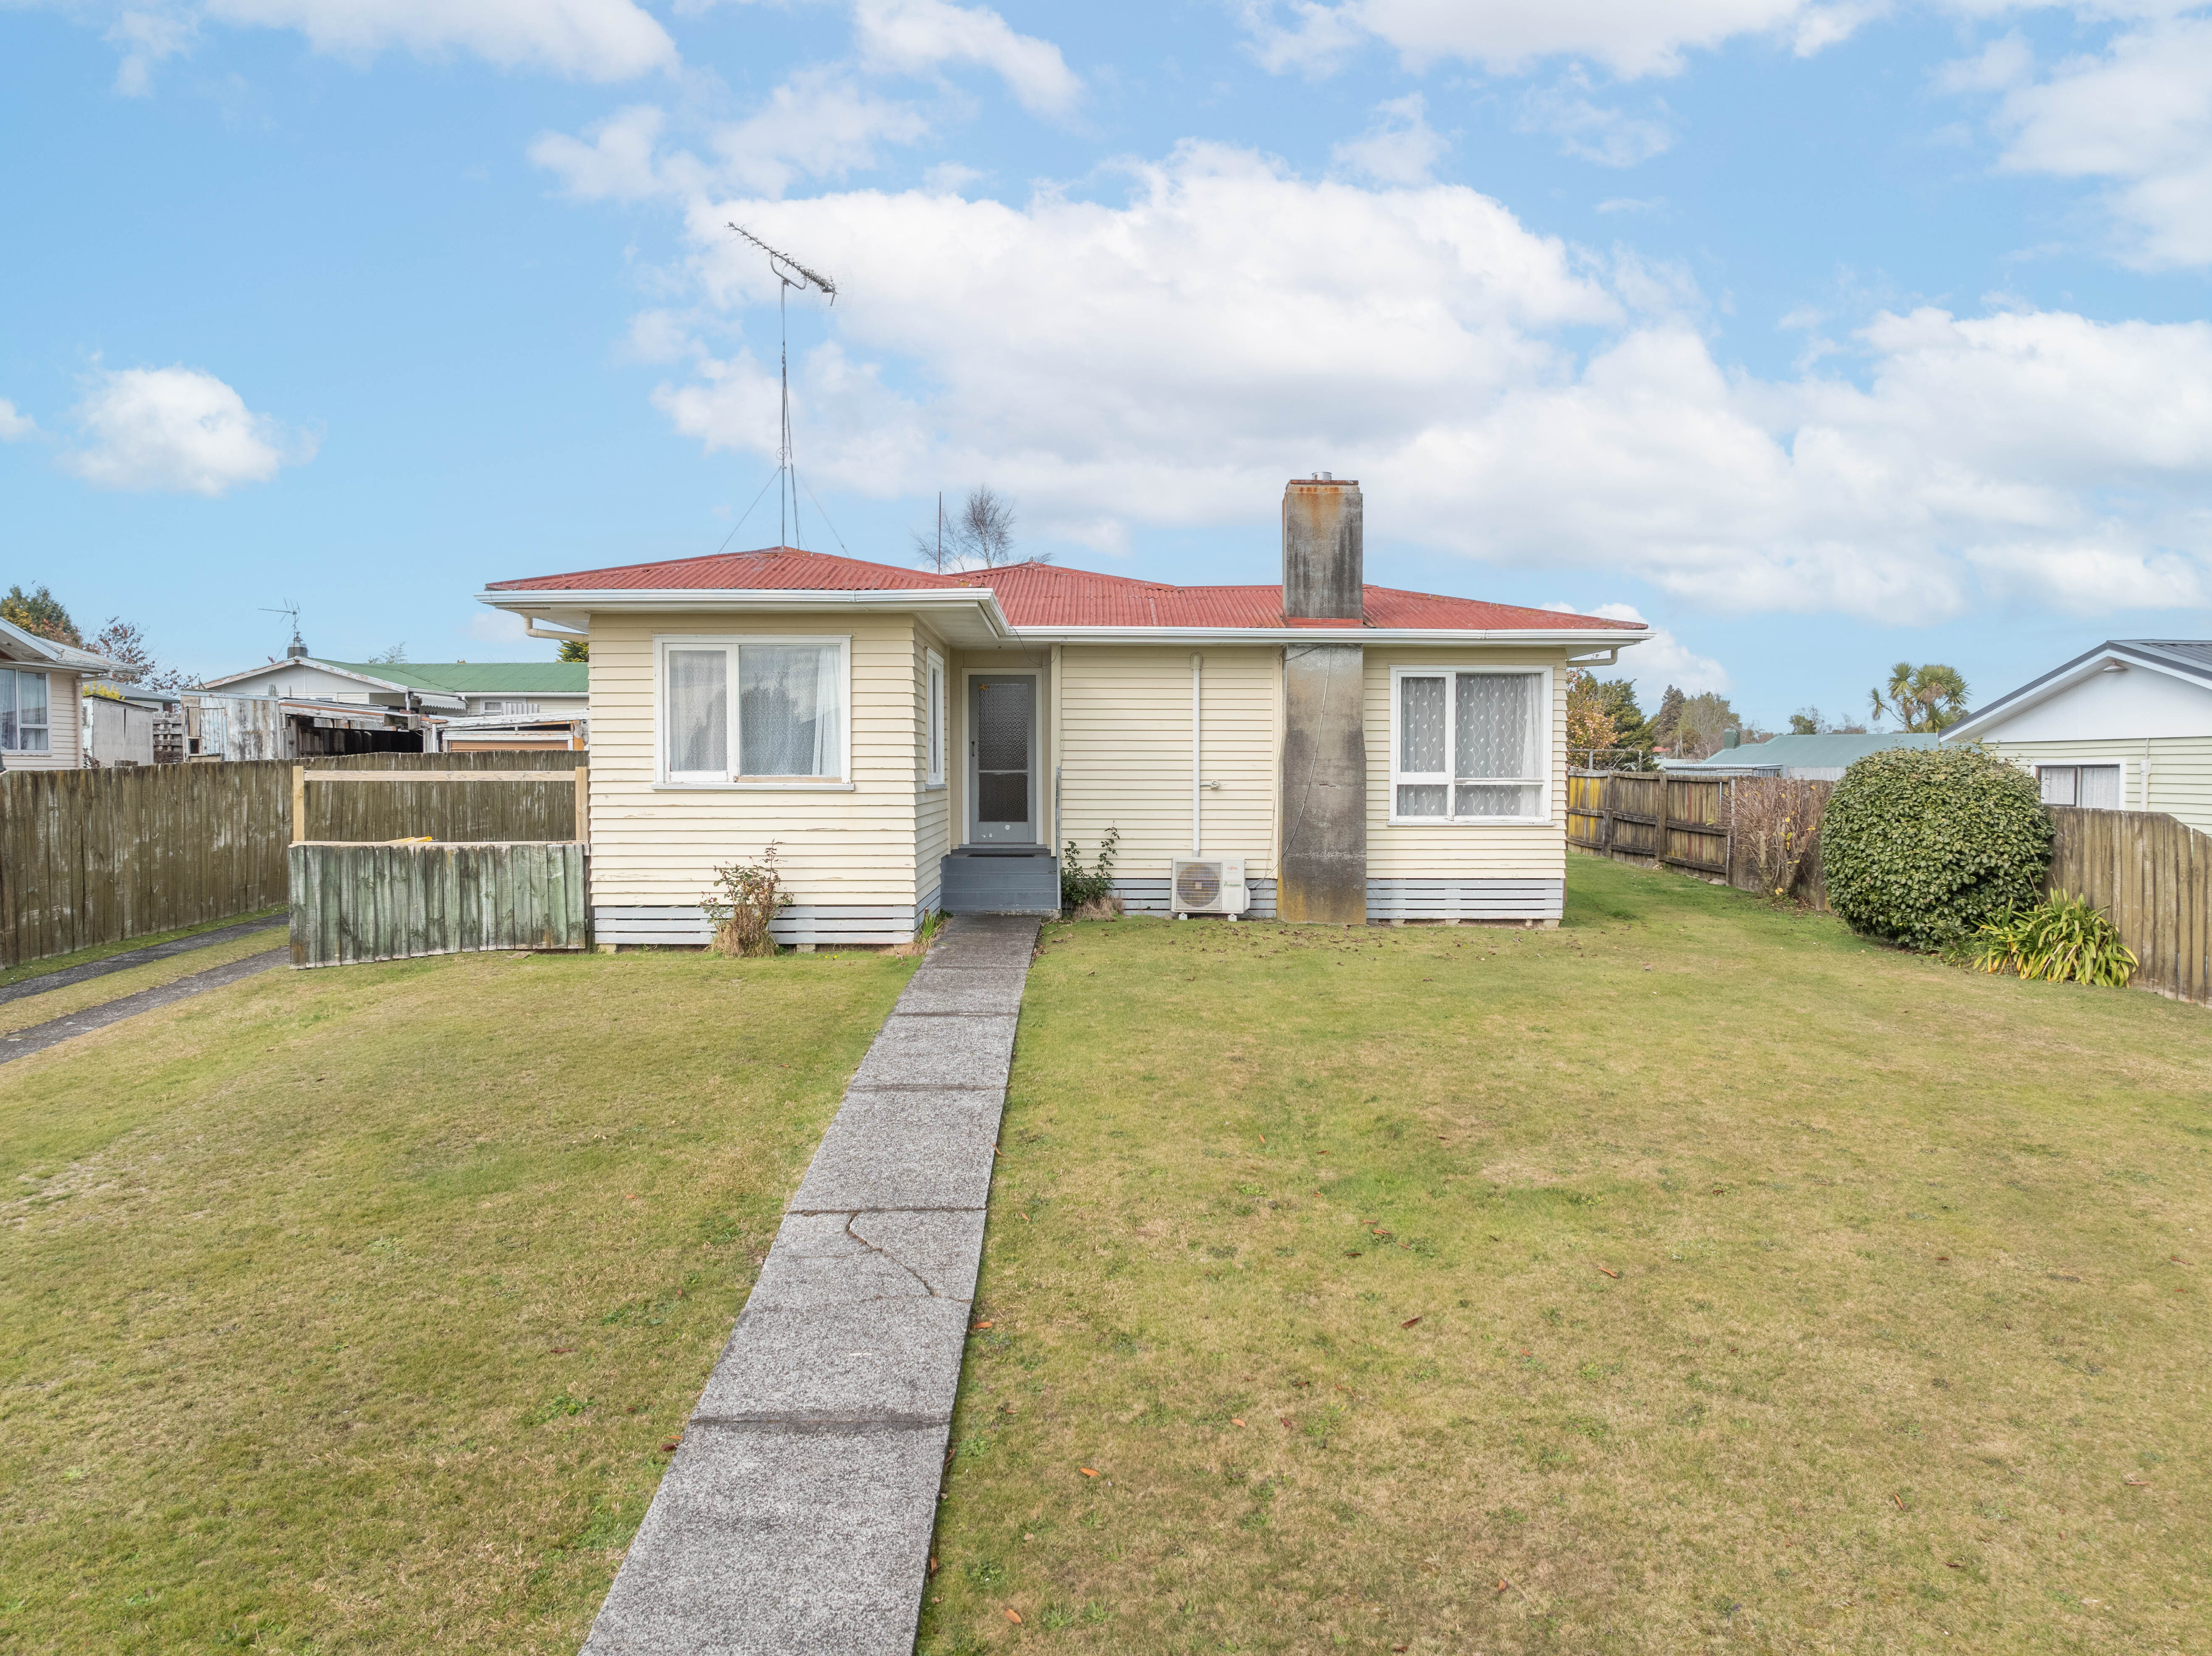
{"x":2077,"y":766}
{"x":728,"y":782}
{"x":16,"y":697}
{"x":936,"y":722}
{"x":1402,"y":671}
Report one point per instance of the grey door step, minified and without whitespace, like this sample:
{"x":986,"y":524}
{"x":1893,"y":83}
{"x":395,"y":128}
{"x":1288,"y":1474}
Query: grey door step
{"x":39,"y":1036}
{"x":131,"y":957}
{"x":795,"y":1519}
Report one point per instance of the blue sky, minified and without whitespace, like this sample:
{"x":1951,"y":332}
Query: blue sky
{"x":1820,"y":334}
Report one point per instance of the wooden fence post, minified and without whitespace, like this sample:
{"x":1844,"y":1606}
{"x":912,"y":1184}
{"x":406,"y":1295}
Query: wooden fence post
{"x":298,"y":804}
{"x":583,"y":805}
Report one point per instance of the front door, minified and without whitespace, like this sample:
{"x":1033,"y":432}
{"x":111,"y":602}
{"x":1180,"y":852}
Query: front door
{"x":1002,"y":758}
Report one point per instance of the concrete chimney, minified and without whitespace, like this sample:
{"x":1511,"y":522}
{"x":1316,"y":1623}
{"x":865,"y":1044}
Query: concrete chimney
{"x":1322,"y":878}
{"x":1322,"y":555}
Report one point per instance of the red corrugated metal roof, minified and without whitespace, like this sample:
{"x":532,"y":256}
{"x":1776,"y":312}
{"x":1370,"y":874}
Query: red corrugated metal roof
{"x":1047,"y":594}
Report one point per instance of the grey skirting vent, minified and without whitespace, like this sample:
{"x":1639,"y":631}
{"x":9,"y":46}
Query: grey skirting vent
{"x":821,"y":924}
{"x":1466,"y":899}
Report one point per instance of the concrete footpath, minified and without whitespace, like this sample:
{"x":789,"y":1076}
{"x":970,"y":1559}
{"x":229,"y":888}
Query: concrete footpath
{"x":797,"y":1515}
{"x":39,"y":1036}
{"x":131,"y":957}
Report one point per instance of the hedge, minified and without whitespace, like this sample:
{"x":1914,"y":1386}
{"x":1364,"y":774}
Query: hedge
{"x":1924,"y":844}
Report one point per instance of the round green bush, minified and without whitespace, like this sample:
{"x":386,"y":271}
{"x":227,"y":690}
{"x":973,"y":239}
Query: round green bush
{"x":1925,"y":845}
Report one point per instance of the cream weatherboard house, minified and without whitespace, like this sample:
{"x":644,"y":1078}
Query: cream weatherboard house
{"x":2125,"y":726}
{"x":41,"y":708}
{"x":909,"y":740}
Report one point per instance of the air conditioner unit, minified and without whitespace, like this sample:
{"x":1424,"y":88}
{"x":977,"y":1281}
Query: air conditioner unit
{"x":1208,"y":885}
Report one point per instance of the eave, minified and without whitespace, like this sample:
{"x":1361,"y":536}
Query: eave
{"x":570,"y":608}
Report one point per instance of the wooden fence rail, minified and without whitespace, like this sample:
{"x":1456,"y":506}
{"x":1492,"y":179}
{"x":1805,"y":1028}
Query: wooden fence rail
{"x":91,"y":856}
{"x":1680,"y":821}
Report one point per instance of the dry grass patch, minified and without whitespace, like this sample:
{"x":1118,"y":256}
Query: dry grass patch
{"x":349,"y":1310}
{"x":1693,"y":1275}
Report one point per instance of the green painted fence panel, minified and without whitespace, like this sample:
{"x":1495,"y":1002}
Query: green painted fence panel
{"x":367,"y":902}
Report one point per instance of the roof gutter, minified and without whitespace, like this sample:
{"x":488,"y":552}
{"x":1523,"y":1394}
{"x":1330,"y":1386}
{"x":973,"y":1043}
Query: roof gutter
{"x":693,"y":599}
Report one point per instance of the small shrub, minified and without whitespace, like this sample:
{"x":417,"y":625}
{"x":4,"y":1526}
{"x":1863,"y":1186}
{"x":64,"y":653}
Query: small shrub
{"x":1924,"y":845}
{"x":2061,"y":939}
{"x":925,"y":937}
{"x":748,"y":896}
{"x":1090,"y":891}
{"x":1775,"y":823}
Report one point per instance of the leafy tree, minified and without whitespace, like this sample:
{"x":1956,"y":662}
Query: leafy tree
{"x":1602,"y":716}
{"x":981,"y":535}
{"x":1928,"y":697}
{"x":575,"y":649}
{"x":392,"y":656}
{"x":40,"y":612}
{"x":1701,"y":722}
{"x":123,"y":643}
{"x":1664,"y":721}
{"x":1811,"y":721}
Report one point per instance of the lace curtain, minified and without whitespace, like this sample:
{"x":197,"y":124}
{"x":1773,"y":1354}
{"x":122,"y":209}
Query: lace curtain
{"x":698,"y":713}
{"x":789,"y":712}
{"x":1484,"y":731}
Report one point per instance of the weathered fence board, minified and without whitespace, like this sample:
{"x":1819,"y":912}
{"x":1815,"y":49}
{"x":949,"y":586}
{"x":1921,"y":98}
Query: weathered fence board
{"x":382,"y":902}
{"x":90,"y":857}
{"x":2153,"y":875}
{"x":1678,"y":821}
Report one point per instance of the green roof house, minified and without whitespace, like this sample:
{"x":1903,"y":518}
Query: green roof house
{"x":450,"y":689}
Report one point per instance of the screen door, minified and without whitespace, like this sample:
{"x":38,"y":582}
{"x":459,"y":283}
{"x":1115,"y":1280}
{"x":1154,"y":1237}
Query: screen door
{"x":1002,"y":758}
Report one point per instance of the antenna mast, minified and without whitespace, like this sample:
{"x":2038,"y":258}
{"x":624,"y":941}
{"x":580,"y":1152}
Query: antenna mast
{"x":290,"y":607}
{"x":790,"y":274}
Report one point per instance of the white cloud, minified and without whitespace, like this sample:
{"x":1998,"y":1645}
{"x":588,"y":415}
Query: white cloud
{"x":146,"y":39}
{"x":1170,"y":359}
{"x":1401,"y":147}
{"x":497,"y":626}
{"x":1611,"y":137}
{"x":1630,"y":37}
{"x":584,"y":40}
{"x":819,"y":123}
{"x":1660,"y":660}
{"x":914,"y":37}
{"x":177,"y":430}
{"x":15,"y":425}
{"x":2139,"y":114}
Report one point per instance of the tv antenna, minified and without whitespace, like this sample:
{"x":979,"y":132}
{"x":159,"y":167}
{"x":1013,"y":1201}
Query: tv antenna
{"x":790,"y":274}
{"x":290,"y":607}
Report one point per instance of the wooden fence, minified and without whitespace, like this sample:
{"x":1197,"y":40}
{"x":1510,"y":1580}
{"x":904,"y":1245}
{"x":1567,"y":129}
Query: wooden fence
{"x":90,"y":857}
{"x":1678,"y":821}
{"x":2153,"y":876}
{"x":2151,"y":873}
{"x":384,"y":902}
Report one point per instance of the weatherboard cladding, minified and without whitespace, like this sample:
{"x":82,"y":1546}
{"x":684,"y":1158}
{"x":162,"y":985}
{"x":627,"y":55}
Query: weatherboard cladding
{"x":1041,"y":595}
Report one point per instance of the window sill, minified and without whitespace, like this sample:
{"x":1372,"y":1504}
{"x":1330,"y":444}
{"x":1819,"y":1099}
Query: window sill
{"x":932,"y":787}
{"x":1471,"y":821}
{"x":804,"y":786}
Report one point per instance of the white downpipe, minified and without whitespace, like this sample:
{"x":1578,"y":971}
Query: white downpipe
{"x":1197,"y":680}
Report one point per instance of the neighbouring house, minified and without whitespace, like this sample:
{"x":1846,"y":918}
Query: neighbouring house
{"x":908,"y":741}
{"x":218,"y":727}
{"x":41,"y":717}
{"x":124,"y":725}
{"x":2125,"y":726}
{"x":450,"y":689}
{"x":1803,"y":758}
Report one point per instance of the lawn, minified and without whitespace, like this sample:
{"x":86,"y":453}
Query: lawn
{"x":94,"y":992}
{"x":1693,"y":1275}
{"x":349,"y":1310}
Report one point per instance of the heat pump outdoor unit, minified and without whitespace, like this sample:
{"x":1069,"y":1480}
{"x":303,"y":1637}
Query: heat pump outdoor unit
{"x":1208,"y":885}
